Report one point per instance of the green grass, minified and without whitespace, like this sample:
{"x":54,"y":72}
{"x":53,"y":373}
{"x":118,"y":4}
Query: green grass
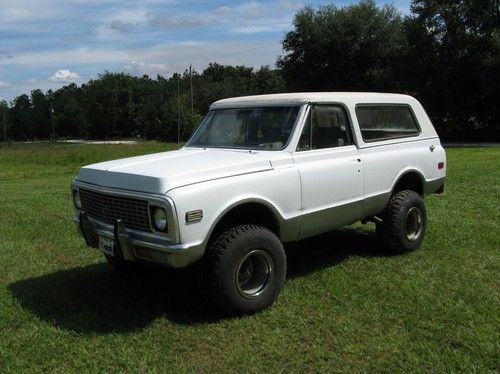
{"x":344,"y":307}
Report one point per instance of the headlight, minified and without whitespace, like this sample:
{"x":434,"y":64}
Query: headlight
{"x":77,"y":200}
{"x":160,"y":219}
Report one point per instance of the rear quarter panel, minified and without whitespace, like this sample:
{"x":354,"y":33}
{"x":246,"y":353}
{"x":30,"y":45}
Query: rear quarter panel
{"x":385,"y":161}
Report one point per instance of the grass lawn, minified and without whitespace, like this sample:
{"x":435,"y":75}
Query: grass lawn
{"x":345,"y":307}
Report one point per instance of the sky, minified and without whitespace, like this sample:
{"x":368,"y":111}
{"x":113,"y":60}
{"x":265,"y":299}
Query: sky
{"x":47,"y":44}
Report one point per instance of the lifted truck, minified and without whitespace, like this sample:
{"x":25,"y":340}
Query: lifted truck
{"x":260,"y":171}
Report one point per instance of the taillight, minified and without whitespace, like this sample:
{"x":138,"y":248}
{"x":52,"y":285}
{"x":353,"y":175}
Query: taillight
{"x":440,"y":165}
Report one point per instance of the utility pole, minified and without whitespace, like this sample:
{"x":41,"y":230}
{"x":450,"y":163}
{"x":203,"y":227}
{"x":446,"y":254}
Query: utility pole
{"x":178,"y":112}
{"x":52,"y":118}
{"x":191,"y":82}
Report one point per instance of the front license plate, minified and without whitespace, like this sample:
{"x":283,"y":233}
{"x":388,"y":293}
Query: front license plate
{"x":106,"y":245}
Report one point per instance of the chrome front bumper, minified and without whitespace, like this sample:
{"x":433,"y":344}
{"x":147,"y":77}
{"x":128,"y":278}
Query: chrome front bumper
{"x":132,"y":246}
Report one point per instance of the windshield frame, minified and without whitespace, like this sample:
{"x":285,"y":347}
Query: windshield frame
{"x":292,"y":132}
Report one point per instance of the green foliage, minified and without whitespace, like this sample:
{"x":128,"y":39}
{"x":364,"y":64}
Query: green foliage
{"x":353,"y":48}
{"x":454,"y":65}
{"x":344,"y":308}
{"x":118,"y":105}
{"x":446,"y":53}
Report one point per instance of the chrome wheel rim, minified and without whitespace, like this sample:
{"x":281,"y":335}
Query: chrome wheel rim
{"x":414,"y":224}
{"x":254,"y":273}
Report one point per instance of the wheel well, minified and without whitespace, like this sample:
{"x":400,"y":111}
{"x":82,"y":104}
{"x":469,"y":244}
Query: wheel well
{"x":410,"y":181}
{"x":256,"y":213}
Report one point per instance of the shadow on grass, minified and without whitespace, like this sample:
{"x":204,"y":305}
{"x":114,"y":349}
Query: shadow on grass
{"x":97,"y":299}
{"x":329,"y":249}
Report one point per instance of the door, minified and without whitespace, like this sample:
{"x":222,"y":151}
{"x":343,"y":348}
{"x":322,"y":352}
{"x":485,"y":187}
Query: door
{"x":330,"y":171}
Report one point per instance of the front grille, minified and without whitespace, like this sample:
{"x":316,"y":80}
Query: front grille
{"x":108,"y":208}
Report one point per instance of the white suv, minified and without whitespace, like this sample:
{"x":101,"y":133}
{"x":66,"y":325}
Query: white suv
{"x":260,"y":171}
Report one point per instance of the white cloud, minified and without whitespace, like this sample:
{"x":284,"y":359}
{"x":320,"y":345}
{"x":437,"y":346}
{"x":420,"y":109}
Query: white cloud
{"x":126,"y":20}
{"x":67,"y":56}
{"x":253,"y":9}
{"x":168,"y":21}
{"x":289,"y":4}
{"x":16,"y":15}
{"x":4,"y":84}
{"x":268,"y":14}
{"x":64,"y":75}
{"x":163,"y":59}
{"x":128,"y":16}
{"x":170,"y":58}
{"x":259,"y":29}
{"x":222,"y":11}
{"x":151,"y":69}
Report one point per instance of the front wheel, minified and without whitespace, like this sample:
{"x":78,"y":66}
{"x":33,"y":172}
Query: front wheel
{"x":404,"y":221}
{"x":247,"y":269}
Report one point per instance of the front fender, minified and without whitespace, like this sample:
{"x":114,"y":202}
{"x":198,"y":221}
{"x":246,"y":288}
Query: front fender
{"x":277,"y":190}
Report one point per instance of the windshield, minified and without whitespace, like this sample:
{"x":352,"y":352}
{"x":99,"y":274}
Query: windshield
{"x":267,"y":128}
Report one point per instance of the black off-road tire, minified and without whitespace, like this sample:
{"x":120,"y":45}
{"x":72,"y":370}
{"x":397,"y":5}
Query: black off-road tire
{"x":246,"y":268}
{"x":404,"y":221}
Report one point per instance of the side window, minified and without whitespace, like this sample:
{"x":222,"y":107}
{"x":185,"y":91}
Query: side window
{"x":381,"y":122}
{"x":327,"y":126}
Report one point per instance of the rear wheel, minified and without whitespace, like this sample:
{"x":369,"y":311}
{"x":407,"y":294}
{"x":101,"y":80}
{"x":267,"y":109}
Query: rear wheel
{"x":404,"y":222}
{"x":247,"y":269}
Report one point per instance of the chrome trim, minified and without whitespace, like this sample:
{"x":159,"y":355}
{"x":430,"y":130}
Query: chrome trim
{"x":121,"y":234}
{"x":108,"y":207}
{"x":395,"y":141}
{"x":414,"y":224}
{"x":163,"y":201}
{"x":194,"y":215}
{"x":255,"y":274}
{"x":162,"y":245}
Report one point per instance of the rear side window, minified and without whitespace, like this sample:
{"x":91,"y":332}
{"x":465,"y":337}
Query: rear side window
{"x":381,"y":122}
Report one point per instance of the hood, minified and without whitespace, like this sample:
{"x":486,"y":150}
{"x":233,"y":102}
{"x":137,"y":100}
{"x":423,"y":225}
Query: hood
{"x":161,"y":172}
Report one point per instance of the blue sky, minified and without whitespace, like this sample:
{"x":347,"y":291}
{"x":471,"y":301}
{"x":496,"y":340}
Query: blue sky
{"x":47,"y":44}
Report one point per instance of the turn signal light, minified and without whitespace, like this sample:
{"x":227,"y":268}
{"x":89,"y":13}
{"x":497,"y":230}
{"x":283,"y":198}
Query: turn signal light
{"x":440,"y":165}
{"x":194,"y":215}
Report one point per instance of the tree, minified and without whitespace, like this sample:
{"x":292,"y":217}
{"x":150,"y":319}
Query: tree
{"x":455,"y":60}
{"x":21,"y":118}
{"x":41,"y":115}
{"x":69,"y":115}
{"x":357,"y":47}
{"x":4,"y":109}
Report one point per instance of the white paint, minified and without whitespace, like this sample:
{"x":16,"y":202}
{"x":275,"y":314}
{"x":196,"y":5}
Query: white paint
{"x":309,"y":191}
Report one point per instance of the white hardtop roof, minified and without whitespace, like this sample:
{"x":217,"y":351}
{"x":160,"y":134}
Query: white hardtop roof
{"x":305,"y":97}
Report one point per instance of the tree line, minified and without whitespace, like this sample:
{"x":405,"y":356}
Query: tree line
{"x":445,"y":53}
